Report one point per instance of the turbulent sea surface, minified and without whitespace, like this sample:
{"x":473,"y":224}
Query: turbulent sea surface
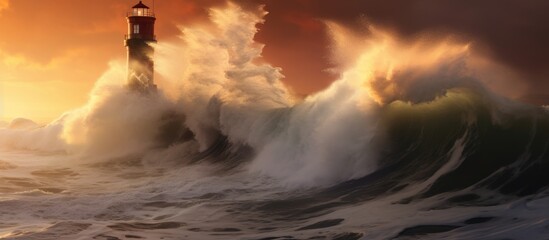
{"x":411,"y":142}
{"x":454,"y":168}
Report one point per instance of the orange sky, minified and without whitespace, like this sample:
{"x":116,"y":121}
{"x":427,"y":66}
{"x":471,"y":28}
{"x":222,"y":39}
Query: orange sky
{"x":51,"y":52}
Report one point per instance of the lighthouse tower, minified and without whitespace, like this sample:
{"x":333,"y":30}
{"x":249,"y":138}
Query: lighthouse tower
{"x":140,"y":54}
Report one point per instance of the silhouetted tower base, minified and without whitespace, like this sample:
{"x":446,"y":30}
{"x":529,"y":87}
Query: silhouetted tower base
{"x":140,"y":53}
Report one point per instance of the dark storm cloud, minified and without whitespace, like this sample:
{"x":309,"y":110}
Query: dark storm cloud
{"x":513,"y":32}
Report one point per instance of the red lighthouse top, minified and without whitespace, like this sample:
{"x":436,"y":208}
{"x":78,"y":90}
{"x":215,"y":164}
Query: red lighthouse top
{"x":141,"y":23}
{"x":141,"y":10}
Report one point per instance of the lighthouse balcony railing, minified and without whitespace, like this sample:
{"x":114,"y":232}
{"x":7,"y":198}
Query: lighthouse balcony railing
{"x":137,"y":36}
{"x":140,"y":14}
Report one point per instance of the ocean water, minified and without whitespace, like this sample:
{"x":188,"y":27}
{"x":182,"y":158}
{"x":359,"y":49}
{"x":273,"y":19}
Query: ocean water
{"x":448,"y":171}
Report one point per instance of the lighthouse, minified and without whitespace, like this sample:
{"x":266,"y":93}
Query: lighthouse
{"x":140,"y":53}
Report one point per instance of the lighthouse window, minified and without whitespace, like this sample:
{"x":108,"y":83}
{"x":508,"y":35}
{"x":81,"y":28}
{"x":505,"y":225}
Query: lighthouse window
{"x":136,"y":28}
